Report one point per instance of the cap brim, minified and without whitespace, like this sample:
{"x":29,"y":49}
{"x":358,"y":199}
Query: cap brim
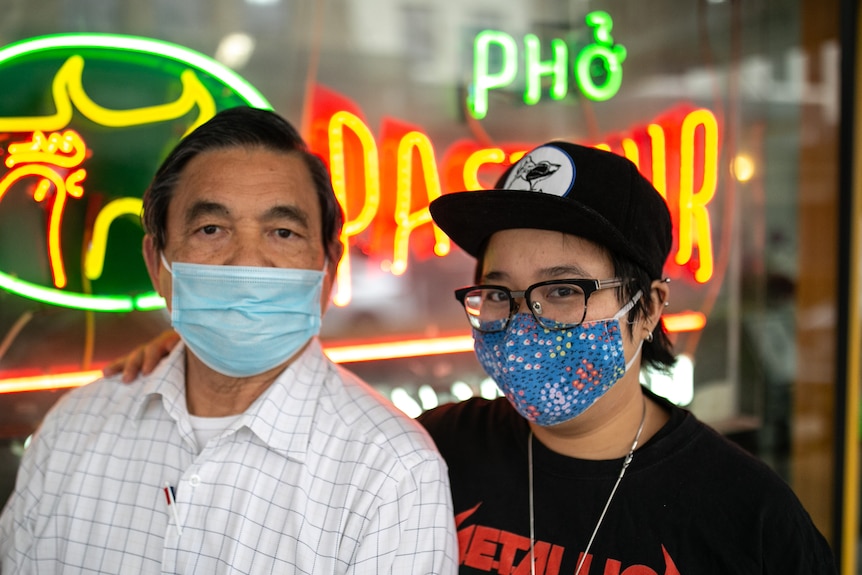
{"x":470,"y":218}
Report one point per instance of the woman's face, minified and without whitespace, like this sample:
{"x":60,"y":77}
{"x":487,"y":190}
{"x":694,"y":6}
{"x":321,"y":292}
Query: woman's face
{"x":518,"y":258}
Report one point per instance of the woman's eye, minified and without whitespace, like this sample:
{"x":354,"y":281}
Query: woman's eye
{"x":497,"y":297}
{"x":561,"y":292}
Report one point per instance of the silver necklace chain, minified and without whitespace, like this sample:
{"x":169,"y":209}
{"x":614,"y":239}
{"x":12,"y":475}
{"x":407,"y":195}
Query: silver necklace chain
{"x":626,"y":462}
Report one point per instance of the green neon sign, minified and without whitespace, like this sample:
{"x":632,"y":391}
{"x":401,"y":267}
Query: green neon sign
{"x":84,"y":122}
{"x":597,"y":67}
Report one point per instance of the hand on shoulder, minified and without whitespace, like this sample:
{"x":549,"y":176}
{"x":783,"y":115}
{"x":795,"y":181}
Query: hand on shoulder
{"x":144,"y":358}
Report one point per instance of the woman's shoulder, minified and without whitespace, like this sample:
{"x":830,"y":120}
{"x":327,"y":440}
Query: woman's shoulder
{"x":476,"y":411}
{"x":477,"y":421}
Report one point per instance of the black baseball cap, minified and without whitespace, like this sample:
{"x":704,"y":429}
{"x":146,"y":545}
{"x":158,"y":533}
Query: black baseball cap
{"x":559,"y":186}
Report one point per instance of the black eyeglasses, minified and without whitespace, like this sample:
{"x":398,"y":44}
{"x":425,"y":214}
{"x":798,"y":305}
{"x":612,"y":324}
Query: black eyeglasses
{"x":556,"y":304}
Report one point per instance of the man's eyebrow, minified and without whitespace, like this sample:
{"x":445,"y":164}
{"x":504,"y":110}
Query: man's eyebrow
{"x":288,"y":212}
{"x":203,"y":208}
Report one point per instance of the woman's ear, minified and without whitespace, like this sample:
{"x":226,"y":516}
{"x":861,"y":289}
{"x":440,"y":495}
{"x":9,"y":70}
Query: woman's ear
{"x":658,"y":301}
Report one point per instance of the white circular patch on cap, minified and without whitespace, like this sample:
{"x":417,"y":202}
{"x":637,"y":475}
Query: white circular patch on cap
{"x":547,"y":169}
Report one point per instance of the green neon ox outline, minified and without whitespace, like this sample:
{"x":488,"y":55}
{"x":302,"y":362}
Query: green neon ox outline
{"x":118,"y":42}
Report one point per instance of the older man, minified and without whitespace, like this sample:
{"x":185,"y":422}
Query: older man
{"x":246,"y":450}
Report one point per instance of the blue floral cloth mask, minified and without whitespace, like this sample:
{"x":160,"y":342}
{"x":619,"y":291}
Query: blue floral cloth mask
{"x":241,"y":321}
{"x":552,"y":376}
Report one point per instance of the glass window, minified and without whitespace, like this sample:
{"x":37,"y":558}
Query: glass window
{"x":730,"y":108}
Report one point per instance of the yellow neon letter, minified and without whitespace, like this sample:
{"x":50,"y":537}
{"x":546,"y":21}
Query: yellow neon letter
{"x":476,"y":160}
{"x":338,"y":166}
{"x":405,"y":220}
{"x":694,"y":224}
{"x":659,"y":158}
{"x":630,"y":151}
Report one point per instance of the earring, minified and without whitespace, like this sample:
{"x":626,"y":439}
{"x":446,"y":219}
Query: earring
{"x":667,"y":304}
{"x":649,"y":337}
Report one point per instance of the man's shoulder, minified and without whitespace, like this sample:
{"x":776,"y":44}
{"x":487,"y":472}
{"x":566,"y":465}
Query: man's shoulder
{"x":355,"y":409}
{"x":97,"y":398}
{"x":88,"y":406}
{"x":83,"y":413}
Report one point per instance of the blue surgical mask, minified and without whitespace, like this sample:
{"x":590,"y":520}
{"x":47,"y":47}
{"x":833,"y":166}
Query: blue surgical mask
{"x":552,"y":376}
{"x":241,"y":321}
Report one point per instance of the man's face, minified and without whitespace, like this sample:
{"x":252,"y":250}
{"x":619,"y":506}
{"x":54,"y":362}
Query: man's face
{"x":242,"y":207}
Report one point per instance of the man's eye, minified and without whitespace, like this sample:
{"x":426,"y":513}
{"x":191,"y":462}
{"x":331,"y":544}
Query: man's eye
{"x":209,"y":230}
{"x":284,"y":233}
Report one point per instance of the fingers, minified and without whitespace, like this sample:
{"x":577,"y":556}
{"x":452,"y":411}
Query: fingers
{"x":129,"y":365}
{"x":157,"y":349}
{"x":133,"y":363}
{"x":144,"y":358}
{"x":114,"y":367}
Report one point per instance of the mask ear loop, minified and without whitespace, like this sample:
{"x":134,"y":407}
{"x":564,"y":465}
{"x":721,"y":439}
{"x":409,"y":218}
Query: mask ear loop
{"x":637,"y":353}
{"x":627,"y":308}
{"x":165,"y":263}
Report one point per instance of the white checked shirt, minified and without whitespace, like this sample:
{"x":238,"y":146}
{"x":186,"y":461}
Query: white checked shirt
{"x":319,"y":475}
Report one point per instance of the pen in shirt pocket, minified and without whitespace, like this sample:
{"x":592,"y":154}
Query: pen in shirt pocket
{"x":170,"y":495}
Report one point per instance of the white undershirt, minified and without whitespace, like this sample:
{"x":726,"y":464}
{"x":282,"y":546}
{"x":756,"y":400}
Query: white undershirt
{"x":206,"y":428}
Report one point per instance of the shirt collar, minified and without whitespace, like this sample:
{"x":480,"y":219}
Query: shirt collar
{"x":168,"y":382}
{"x":281,"y":417}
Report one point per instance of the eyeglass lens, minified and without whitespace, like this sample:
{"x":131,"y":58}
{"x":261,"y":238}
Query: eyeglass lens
{"x":554,"y":306}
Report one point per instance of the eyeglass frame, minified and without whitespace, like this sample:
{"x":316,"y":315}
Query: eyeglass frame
{"x":588,"y":286}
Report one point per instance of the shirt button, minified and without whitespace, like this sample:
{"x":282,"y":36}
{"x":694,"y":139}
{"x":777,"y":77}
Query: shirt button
{"x":195,"y":480}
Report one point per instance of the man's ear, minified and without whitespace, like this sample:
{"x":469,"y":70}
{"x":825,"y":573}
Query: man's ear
{"x":333,"y":257}
{"x":336,"y":250}
{"x":152,"y":257}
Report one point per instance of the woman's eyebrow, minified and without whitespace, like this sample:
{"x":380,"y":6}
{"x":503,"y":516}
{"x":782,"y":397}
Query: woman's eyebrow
{"x":569,"y":270}
{"x":562,"y":271}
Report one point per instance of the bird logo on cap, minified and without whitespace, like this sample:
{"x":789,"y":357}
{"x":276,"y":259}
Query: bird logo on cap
{"x":533,"y":172}
{"x":546,"y":169}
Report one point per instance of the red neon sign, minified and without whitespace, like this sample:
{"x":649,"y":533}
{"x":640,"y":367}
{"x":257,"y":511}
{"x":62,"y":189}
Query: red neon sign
{"x":386,"y":187}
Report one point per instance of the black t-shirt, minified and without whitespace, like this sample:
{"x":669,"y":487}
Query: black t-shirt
{"x":690,"y":503}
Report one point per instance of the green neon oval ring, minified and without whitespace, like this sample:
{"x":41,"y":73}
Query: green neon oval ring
{"x":117,"y":303}
{"x":121,"y":303}
{"x":146,"y":46}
